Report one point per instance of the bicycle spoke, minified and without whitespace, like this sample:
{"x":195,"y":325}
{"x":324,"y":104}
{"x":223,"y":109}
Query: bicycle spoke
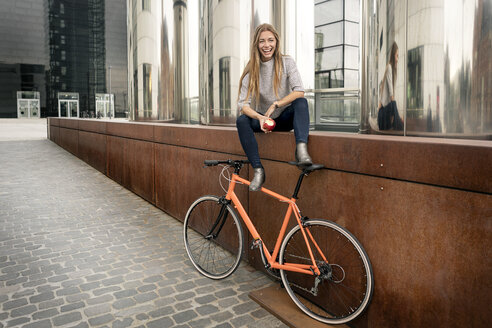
{"x":341,"y":292}
{"x":219,"y":254}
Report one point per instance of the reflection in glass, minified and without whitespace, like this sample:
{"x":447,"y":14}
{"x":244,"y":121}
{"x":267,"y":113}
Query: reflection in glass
{"x":337,"y":64}
{"x":329,"y":35}
{"x":444,"y":60}
{"x":328,"y":12}
{"x":147,"y":89}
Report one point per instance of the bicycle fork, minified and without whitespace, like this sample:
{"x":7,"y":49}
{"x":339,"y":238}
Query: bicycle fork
{"x":220,"y":221}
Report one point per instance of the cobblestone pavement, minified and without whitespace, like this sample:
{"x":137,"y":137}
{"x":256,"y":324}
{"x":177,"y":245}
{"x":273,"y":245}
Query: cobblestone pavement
{"x":79,"y":250}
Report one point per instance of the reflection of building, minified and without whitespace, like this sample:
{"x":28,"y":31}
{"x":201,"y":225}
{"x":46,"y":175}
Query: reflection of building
{"x":66,"y":46}
{"x":444,"y":50}
{"x":23,"y":56}
{"x":481,"y":91}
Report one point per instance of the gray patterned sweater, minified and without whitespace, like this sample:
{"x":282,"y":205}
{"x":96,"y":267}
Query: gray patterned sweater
{"x":290,"y":81}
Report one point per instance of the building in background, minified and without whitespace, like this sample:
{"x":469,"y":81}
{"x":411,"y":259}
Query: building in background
{"x":65,"y":50}
{"x":23,"y":55}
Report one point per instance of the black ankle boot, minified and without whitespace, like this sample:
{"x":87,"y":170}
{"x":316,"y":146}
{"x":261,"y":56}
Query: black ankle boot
{"x":258,"y":179}
{"x":302,"y":156}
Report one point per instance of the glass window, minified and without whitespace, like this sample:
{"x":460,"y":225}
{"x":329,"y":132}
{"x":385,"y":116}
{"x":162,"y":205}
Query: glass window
{"x":135,"y":90}
{"x":146,"y":5}
{"x":351,"y":78}
{"x":329,"y":58}
{"x":351,"y":57}
{"x":225,"y":83}
{"x":352,"y":33}
{"x":414,"y":69}
{"x":352,"y":10}
{"x":331,"y":79}
{"x":328,"y":12}
{"x":329,"y":35}
{"x":147,"y":87}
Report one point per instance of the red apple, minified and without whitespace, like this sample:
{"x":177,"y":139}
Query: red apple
{"x":269,"y":124}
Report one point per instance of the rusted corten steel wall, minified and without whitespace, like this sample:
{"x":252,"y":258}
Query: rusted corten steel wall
{"x":421,"y":207}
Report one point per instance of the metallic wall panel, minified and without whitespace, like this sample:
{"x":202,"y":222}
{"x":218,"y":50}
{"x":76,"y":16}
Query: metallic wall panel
{"x":211,"y":138}
{"x":92,"y":149}
{"x":115,"y":154}
{"x":138,"y":171}
{"x":140,"y":131}
{"x":180,"y":178}
{"x":428,"y":241}
{"x":424,"y":242}
{"x":130,"y":162}
{"x":69,"y":140}
{"x":92,"y":126}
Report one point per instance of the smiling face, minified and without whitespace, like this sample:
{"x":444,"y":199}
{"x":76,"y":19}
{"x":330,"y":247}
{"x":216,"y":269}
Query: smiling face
{"x":267,"y":45}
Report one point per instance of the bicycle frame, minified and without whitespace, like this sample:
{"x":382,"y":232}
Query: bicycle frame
{"x":296,"y":267}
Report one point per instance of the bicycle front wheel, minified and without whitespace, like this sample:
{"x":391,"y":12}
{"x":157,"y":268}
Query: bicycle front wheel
{"x":213,"y":237}
{"x":344,"y":288}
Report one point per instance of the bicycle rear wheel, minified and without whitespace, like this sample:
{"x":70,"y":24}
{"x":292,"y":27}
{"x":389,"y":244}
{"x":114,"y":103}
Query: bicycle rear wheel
{"x":213,"y":237}
{"x":344,"y":288}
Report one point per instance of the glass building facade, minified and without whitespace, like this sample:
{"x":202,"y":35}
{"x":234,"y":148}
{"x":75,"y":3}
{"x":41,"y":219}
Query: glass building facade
{"x":63,"y":46}
{"x":186,"y":57}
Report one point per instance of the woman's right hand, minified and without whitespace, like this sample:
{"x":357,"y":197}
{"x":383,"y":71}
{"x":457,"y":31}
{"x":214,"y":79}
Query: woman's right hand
{"x":262,"y":120}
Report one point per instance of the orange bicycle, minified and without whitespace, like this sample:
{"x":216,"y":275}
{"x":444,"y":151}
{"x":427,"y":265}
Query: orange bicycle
{"x":323,"y":267}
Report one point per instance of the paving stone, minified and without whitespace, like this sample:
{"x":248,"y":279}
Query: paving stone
{"x":100,"y":299}
{"x":50,"y":304}
{"x":224,"y":325}
{"x":161,"y":312}
{"x":185,"y":316}
{"x":161,"y":323}
{"x":72,"y":306}
{"x":97,"y":310}
{"x":124,"y":303}
{"x":141,"y":298}
{"x":14,"y":304}
{"x":39,"y":324}
{"x":125,"y":293}
{"x":45,"y":314}
{"x":127,"y":322}
{"x":205,"y":299}
{"x":206,"y":309}
{"x":183,"y":306}
{"x":23,"y":311}
{"x":101,"y":320}
{"x":17,"y":322}
{"x":46,"y":296}
{"x":65,"y":319}
{"x":85,"y":252}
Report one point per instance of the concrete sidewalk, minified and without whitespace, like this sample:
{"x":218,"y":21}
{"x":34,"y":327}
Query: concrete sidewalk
{"x":79,"y":250}
{"x":23,"y":129}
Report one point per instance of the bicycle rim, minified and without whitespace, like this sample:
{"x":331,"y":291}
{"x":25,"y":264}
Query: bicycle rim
{"x":344,"y":289}
{"x":216,"y":256}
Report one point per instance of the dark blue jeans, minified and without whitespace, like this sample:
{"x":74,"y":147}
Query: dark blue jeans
{"x":296,"y":117}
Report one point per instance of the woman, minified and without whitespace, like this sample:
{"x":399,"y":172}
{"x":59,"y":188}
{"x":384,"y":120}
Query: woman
{"x":271,"y":87}
{"x":388,"y":116}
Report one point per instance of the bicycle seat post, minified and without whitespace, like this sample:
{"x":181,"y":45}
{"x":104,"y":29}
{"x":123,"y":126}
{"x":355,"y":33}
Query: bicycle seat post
{"x":298,"y":186}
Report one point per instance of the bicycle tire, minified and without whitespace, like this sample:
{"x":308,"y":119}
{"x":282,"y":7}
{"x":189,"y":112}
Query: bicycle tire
{"x":214,"y":257}
{"x":346,"y":284}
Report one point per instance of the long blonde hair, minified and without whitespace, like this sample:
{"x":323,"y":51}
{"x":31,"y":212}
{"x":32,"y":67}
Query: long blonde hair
{"x":253,"y":66}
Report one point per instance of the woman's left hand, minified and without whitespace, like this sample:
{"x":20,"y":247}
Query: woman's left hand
{"x":270,"y":110}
